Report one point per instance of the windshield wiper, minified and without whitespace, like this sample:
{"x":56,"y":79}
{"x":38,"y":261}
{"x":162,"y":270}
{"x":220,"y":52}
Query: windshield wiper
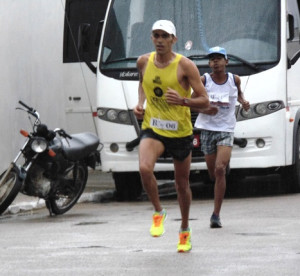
{"x":249,"y":64}
{"x":121,"y":59}
{"x":197,"y":57}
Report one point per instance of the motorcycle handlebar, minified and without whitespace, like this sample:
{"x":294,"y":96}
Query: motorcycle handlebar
{"x":30,"y":110}
{"x":26,"y":106}
{"x":34,"y":113}
{"x":62,"y":133}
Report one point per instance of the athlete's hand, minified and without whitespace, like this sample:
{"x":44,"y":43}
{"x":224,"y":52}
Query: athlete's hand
{"x":246,"y":105}
{"x":211,"y":110}
{"x":172,"y":97}
{"x":139,"y":112}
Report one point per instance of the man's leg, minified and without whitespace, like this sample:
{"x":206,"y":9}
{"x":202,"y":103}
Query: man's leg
{"x":210,"y":160}
{"x":149,"y":150}
{"x":222,"y":160}
{"x":184,"y":194}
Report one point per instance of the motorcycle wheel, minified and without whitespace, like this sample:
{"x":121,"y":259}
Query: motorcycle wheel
{"x":9,"y":187}
{"x":67,"y":197}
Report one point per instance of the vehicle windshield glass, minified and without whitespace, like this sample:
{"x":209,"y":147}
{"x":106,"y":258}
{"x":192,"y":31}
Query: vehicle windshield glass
{"x":247,"y":29}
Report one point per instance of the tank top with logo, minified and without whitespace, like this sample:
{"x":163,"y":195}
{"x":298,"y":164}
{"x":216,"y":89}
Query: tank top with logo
{"x":224,"y":96}
{"x":167,"y":120}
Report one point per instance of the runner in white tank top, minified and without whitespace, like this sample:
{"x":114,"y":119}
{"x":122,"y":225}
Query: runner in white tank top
{"x":224,"y":97}
{"x":217,"y":123}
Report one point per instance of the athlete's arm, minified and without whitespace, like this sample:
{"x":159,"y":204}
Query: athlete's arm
{"x":188,"y":75}
{"x":200,"y":99}
{"x":241,"y":99}
{"x":139,"y":108}
{"x":210,"y":110}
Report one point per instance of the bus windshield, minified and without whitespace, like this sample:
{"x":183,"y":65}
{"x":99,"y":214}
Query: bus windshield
{"x":248,"y":30}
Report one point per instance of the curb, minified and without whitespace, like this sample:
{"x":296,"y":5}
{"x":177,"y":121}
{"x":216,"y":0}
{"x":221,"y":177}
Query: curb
{"x":97,"y":197}
{"x":25,"y":206}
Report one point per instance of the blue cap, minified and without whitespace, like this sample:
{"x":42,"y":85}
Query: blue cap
{"x":217,"y":50}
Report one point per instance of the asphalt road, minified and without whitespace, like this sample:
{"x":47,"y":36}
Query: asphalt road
{"x":260,"y":237}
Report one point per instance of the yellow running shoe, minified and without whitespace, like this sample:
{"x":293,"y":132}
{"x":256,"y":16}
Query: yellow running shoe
{"x":184,"y":244}
{"x":157,"y":229}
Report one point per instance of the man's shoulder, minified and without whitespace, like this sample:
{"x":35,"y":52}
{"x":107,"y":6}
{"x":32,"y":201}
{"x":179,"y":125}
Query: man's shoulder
{"x":182,"y":57}
{"x":236,"y":78}
{"x":185,"y":62}
{"x":143,"y":59}
{"x":144,"y":56}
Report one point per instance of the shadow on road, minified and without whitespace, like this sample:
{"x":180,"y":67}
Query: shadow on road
{"x":254,"y":186}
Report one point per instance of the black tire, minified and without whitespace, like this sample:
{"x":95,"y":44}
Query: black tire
{"x":128,"y":186}
{"x":66,"y":197}
{"x":9,"y":188}
{"x":291,"y":174}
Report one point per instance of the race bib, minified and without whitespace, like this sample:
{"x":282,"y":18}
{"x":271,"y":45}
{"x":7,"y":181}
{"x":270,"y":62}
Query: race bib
{"x":164,"y":124}
{"x":222,"y":98}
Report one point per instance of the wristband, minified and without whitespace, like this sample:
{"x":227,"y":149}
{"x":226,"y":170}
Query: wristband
{"x":185,"y":101}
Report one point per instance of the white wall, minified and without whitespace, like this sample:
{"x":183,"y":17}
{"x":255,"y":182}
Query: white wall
{"x":31,"y":70}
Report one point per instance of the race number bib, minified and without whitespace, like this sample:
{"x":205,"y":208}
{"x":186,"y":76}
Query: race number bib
{"x":164,"y":124}
{"x":219,"y":99}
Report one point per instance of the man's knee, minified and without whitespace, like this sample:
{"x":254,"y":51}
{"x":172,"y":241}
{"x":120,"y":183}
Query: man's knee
{"x":145,"y":170}
{"x":220,"y":170}
{"x":183,"y":186}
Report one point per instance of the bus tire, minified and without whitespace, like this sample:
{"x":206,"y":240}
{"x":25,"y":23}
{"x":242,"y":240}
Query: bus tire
{"x":291,"y":174}
{"x":128,"y":186}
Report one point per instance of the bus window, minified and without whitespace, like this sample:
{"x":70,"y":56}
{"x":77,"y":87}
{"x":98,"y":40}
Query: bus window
{"x":293,"y":44}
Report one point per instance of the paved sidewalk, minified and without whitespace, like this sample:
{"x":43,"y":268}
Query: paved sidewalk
{"x":99,"y":188}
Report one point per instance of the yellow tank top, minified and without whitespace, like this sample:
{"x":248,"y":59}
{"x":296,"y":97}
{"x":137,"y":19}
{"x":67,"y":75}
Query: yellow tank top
{"x":165,"y":119}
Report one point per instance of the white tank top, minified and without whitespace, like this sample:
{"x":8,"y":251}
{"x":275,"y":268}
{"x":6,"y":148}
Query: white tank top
{"x":225,"y":97}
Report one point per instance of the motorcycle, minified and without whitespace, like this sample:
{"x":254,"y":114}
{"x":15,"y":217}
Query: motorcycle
{"x":53,"y":166}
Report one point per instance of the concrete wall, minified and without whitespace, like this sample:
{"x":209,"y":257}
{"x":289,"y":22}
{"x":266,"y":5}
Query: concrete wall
{"x":31,"y":70}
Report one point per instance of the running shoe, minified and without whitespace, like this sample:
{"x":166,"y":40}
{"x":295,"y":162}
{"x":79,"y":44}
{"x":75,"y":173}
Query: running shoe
{"x":184,"y":244}
{"x":157,"y":229}
{"x":215,"y":221}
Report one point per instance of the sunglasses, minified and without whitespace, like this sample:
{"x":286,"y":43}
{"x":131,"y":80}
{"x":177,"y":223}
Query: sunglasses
{"x":164,"y":35}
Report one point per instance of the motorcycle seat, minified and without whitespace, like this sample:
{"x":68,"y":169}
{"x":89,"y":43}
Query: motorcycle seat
{"x":81,"y":145}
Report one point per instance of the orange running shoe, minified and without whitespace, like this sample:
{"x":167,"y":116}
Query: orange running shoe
{"x":184,"y":244}
{"x":157,"y":229}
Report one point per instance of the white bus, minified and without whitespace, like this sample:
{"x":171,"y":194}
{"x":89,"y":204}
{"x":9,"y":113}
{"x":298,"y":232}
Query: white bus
{"x":262,"y":41}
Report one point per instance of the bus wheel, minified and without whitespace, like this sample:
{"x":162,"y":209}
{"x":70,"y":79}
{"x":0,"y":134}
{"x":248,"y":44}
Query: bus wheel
{"x":291,"y":174}
{"x":128,"y":186}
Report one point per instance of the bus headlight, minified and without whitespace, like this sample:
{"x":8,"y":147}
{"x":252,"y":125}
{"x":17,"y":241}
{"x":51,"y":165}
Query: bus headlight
{"x":247,"y":114}
{"x":114,"y":115}
{"x":259,"y":109}
{"x":123,"y":116}
{"x":101,"y":112}
{"x":274,"y":105}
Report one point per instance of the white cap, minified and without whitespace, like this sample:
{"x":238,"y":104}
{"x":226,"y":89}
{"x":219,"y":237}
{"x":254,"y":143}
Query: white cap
{"x":164,"y":25}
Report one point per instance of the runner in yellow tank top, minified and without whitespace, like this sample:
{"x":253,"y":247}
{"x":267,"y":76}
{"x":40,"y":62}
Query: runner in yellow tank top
{"x":165,"y":119}
{"x":166,"y":80}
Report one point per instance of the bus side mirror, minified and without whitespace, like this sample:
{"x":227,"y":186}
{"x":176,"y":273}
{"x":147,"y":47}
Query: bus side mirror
{"x":291,"y":27}
{"x":83,"y":38}
{"x":83,"y":45}
{"x":99,"y":32}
